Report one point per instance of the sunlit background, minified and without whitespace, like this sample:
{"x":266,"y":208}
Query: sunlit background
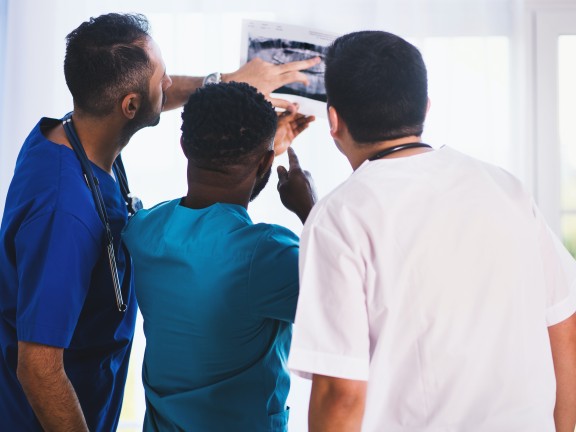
{"x":501,"y":81}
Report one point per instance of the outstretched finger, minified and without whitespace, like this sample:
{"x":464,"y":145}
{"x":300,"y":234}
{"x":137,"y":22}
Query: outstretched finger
{"x":281,"y":103}
{"x":290,"y":77}
{"x":293,"y":159}
{"x":288,"y":116}
{"x":302,"y":122}
{"x":300,"y":64}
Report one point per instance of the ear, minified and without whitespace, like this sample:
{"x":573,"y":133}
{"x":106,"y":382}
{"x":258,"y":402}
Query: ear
{"x":335,"y":122}
{"x":183,"y":147}
{"x":265,"y":163}
{"x":428,"y":106}
{"x":131,"y":104}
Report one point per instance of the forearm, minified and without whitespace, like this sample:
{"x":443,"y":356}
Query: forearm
{"x":266,"y":77}
{"x":565,"y":409}
{"x":336,"y":405}
{"x":563,"y":342}
{"x":182,"y":87}
{"x":565,"y":417}
{"x":50,"y":393}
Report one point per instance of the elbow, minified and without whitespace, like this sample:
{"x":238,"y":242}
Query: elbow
{"x":339,"y":399}
{"x":344,"y":400}
{"x":38,"y":364}
{"x":25,"y":374}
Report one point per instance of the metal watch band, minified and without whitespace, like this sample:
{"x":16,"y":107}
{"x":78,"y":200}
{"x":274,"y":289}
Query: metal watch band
{"x":213,"y":78}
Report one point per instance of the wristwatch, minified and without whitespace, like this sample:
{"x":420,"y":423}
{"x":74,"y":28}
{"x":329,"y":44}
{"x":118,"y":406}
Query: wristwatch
{"x":213,"y":78}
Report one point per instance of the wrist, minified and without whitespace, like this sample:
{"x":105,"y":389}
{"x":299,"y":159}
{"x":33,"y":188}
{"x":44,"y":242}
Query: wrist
{"x":304,"y":211}
{"x":212,"y":78}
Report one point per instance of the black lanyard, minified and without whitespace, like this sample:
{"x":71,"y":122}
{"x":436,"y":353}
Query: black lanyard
{"x":398,"y":148}
{"x":133,"y":204}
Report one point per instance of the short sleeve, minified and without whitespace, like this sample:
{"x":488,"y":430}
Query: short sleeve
{"x":560,"y":277}
{"x":559,"y":269}
{"x":274,"y":275}
{"x":331,"y":335}
{"x":55,"y":253}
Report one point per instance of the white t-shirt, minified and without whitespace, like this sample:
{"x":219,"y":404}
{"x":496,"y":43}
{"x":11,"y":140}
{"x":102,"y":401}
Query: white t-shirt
{"x":434,"y":277}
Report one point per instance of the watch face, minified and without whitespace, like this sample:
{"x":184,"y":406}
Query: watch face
{"x":213,"y":78}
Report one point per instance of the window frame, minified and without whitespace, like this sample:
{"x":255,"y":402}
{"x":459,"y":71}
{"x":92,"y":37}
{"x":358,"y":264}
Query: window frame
{"x":549,"y":24}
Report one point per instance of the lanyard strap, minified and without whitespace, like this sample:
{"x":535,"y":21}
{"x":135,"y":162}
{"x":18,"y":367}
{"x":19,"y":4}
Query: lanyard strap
{"x":93,"y":185}
{"x":397,"y":148}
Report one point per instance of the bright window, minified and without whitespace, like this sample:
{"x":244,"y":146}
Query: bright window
{"x":567,"y":116}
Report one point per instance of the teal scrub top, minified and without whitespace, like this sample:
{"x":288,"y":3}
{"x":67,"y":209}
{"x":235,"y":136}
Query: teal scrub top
{"x":218,"y":295}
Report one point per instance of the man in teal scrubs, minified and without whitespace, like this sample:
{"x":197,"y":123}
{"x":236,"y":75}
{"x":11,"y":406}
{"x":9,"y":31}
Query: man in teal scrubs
{"x":218,"y":293}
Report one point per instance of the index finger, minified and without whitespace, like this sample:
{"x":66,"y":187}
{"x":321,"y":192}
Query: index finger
{"x":299,"y":64}
{"x":281,"y":103}
{"x":293,"y":159}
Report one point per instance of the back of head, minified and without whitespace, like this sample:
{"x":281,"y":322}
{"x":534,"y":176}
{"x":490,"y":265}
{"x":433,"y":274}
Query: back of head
{"x":377,"y":82}
{"x":227,"y":124}
{"x":106,"y":59}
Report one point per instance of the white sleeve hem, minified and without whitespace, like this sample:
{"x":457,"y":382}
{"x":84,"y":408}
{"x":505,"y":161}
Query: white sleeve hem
{"x":563,"y":310}
{"x":305,"y":363}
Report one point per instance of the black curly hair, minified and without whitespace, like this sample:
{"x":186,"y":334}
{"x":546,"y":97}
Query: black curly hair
{"x":227,"y":124}
{"x":106,"y":59}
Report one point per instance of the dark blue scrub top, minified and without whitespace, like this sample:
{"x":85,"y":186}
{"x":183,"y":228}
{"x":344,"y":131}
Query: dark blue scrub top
{"x":55,"y":283}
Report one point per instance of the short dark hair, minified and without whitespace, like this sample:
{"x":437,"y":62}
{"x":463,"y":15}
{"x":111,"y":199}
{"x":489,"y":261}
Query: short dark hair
{"x":227,"y":124}
{"x":106,"y":59}
{"x":377,"y":82}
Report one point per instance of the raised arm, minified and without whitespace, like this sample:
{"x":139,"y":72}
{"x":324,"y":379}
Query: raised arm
{"x":336,"y":404}
{"x":180,"y":90}
{"x":49,"y":391}
{"x":266,"y":77}
{"x":563,"y":343}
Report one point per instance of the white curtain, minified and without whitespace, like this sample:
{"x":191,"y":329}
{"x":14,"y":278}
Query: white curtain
{"x":477,"y":53}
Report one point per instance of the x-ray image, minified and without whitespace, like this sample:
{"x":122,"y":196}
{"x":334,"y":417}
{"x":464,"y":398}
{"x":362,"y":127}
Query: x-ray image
{"x":281,"y":43}
{"x":280,"y":51}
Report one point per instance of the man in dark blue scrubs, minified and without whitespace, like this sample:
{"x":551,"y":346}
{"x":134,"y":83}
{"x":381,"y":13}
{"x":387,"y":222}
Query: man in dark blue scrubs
{"x":64,"y":342}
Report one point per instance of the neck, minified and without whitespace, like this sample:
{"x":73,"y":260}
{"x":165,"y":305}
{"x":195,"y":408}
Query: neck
{"x":101,"y":138}
{"x":361,"y":153}
{"x":206,"y":188}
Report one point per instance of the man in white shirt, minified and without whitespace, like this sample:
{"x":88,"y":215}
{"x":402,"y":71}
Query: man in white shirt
{"x":433,"y":296}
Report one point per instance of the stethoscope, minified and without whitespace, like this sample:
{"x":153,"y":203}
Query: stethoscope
{"x":132,"y":203}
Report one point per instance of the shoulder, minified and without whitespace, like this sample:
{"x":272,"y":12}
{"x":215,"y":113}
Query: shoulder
{"x":276,"y":235}
{"x":154,"y":215}
{"x":44,"y":166}
{"x":48,"y":180}
{"x":487,"y":175}
{"x":275,"y":245}
{"x":156,"y":211}
{"x":275,"y":256}
{"x":344,"y":200}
